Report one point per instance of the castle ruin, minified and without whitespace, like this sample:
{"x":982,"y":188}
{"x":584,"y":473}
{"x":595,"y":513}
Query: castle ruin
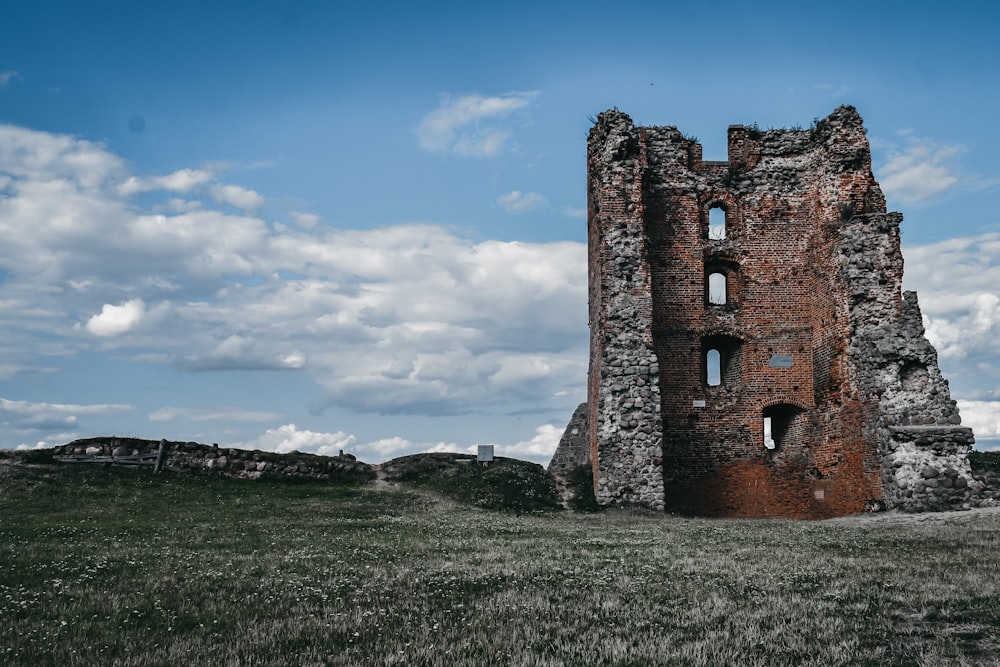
{"x":752,"y":352}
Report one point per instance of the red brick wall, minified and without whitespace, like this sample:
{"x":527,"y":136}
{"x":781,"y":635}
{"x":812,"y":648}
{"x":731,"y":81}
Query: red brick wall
{"x":814,"y":332}
{"x":783,"y":193}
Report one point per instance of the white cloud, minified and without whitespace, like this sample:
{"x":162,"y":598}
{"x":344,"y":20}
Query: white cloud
{"x":469,"y":125}
{"x":304,"y":220}
{"x":234,"y":195}
{"x":959,"y":285}
{"x":289,"y":438}
{"x":55,"y":162}
{"x":29,"y":416}
{"x":982,"y":416}
{"x":400,"y":319}
{"x":579,"y":213}
{"x":41,"y":444}
{"x":115,"y":320}
{"x":450,"y":448}
{"x":237,"y":352}
{"x":9,"y":75}
{"x":539,"y":448}
{"x":919,"y":172}
{"x":386,"y":449}
{"x":169,"y":414}
{"x":519,"y":202}
{"x":182,"y":180}
{"x":958,"y":281}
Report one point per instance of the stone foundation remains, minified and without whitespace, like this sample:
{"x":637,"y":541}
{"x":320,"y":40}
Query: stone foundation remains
{"x":229,"y":462}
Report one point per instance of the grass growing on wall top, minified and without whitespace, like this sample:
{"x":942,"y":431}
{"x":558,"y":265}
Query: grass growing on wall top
{"x":121,"y":567}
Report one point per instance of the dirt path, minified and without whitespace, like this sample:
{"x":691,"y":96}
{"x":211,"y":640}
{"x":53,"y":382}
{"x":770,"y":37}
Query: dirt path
{"x":380,"y":476}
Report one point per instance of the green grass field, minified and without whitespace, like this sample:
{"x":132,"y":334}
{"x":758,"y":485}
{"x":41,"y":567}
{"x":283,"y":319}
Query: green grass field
{"x":118,"y":567}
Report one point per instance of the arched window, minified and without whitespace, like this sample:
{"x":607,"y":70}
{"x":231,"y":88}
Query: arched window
{"x":722,"y":281}
{"x":784,"y":425}
{"x":717,"y":288}
{"x":721,"y":358}
{"x":716,"y":223}
{"x":713,"y":368}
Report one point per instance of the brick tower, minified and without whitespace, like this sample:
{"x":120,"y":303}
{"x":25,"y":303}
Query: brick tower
{"x":752,"y":352}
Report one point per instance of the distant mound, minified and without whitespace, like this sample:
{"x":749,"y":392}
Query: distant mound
{"x":504,"y":484}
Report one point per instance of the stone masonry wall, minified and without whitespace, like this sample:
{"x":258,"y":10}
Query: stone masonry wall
{"x":572,"y":451}
{"x":625,"y":429}
{"x":230,"y":462}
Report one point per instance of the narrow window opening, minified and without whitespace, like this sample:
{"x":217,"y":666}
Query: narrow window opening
{"x":768,"y":439}
{"x":785,"y":425}
{"x":713,"y":368}
{"x":717,"y":224}
{"x":717,"y":288}
{"x":721,"y":358}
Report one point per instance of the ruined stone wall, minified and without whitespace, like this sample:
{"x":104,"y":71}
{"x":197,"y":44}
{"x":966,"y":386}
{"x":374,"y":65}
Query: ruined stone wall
{"x":229,"y":462}
{"x":791,"y":318}
{"x":573,"y":449}
{"x":625,"y":429}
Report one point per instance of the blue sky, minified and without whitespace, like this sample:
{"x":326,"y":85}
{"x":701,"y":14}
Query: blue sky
{"x":304,"y":226}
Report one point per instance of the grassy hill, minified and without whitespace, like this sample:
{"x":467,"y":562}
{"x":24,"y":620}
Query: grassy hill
{"x":504,"y":484}
{"x":122,"y":567}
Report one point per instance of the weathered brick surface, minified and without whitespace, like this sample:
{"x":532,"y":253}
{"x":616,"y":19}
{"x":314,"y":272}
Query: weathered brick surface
{"x":813,"y":332}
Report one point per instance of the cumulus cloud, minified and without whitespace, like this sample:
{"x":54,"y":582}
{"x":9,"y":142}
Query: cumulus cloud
{"x":40,"y":161}
{"x":385,"y":449}
{"x":402,"y":319}
{"x":470,"y":125}
{"x":959,"y":285}
{"x":238,"y":352}
{"x":41,"y":444}
{"x":919,"y":172}
{"x":984,"y":419}
{"x":519,"y":202}
{"x":290,"y":438}
{"x":450,"y":448}
{"x":304,"y":220}
{"x":234,"y":195}
{"x":539,"y":448}
{"x":958,"y":281}
{"x":116,"y":320}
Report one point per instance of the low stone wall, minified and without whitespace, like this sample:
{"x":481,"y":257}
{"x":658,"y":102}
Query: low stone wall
{"x":229,"y":462}
{"x":927,"y":468}
{"x":989,"y":495}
